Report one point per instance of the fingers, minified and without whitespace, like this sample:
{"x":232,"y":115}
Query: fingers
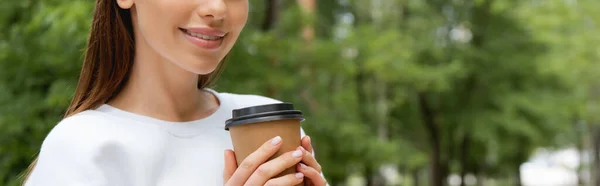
{"x":258,"y":157}
{"x":310,"y":160}
{"x":290,"y":179}
{"x":306,"y":143}
{"x":230,"y":165}
{"x":274,"y":167}
{"x":313,"y":176}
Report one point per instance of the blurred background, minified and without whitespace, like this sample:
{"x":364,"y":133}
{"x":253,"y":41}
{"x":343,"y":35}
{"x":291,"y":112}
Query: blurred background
{"x":396,"y":92}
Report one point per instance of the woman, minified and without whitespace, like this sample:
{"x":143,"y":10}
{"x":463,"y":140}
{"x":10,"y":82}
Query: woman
{"x":142,"y":114}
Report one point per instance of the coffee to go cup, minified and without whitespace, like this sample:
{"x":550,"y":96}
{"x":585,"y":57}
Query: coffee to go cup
{"x":251,"y":127}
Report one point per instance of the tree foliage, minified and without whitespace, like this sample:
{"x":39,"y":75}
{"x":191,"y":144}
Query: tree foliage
{"x":465,"y":86}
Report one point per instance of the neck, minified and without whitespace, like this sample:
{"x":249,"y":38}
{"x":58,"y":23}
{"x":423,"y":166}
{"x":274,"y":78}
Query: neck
{"x":163,"y":90}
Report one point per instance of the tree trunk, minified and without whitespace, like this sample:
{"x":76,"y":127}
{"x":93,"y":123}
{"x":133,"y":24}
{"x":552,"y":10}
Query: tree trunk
{"x":416,"y":177}
{"x":464,"y":155}
{"x":594,"y":132}
{"x":372,"y":176}
{"x":480,"y":179}
{"x":362,"y":79}
{"x":518,"y":175}
{"x":381,"y":119}
{"x":428,"y":117}
{"x":579,"y":128}
{"x":271,"y":14}
{"x":271,"y":18}
{"x":368,"y":178}
{"x":445,"y":172}
{"x":382,"y":109}
{"x":481,"y":172}
{"x":521,"y":157}
{"x":595,"y":141}
{"x":308,"y":7}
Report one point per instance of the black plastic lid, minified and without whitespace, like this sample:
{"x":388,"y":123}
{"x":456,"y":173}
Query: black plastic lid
{"x":263,"y":113}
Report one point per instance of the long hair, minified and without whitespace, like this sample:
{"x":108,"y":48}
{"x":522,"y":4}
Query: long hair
{"x":108,"y":61}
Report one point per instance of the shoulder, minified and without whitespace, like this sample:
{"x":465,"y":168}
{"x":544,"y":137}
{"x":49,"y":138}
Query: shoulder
{"x":79,"y":131}
{"x":247,"y":100}
{"x":76,"y":152}
{"x":83,"y":123}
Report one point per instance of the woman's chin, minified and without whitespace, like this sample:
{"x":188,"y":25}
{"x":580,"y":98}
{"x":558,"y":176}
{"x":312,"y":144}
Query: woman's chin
{"x":200,"y":66}
{"x":203,"y":70}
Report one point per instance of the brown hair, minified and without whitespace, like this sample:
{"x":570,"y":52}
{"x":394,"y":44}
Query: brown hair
{"x":108,"y":61}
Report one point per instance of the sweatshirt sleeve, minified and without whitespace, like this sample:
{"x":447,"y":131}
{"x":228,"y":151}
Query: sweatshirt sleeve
{"x":74,"y":153}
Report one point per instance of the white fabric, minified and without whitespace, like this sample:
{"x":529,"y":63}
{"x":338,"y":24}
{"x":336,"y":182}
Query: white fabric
{"x":112,"y":147}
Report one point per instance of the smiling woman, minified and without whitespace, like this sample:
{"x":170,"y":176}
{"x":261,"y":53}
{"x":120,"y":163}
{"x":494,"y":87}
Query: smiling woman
{"x":142,"y":113}
{"x":165,"y":27}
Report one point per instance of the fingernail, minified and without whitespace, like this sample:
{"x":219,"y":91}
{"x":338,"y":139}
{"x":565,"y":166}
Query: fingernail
{"x":301,"y":148}
{"x":299,"y":175}
{"x":308,"y":138}
{"x":297,"y":154}
{"x":302,"y":166}
{"x":276,"y":140}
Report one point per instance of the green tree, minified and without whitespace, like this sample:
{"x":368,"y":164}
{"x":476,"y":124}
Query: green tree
{"x":40,"y":56}
{"x":468,"y":86}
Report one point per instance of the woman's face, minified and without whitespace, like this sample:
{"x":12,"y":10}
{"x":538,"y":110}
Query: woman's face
{"x":194,"y":34}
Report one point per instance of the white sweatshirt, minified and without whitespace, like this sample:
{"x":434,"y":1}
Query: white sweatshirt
{"x":112,"y":147}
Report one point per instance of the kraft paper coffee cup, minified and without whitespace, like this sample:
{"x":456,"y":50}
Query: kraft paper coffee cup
{"x":251,"y":127}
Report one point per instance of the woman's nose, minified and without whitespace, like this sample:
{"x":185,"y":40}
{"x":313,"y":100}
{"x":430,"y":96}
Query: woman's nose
{"x":212,"y":9}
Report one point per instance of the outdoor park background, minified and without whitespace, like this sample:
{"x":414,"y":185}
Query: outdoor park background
{"x":396,"y":92}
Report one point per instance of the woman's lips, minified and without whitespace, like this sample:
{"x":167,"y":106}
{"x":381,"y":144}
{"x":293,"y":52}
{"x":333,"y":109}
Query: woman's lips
{"x":206,"y":38}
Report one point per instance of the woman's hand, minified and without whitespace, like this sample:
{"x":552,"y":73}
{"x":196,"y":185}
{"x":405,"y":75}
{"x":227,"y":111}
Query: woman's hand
{"x":254,"y":170}
{"x":309,"y":166}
